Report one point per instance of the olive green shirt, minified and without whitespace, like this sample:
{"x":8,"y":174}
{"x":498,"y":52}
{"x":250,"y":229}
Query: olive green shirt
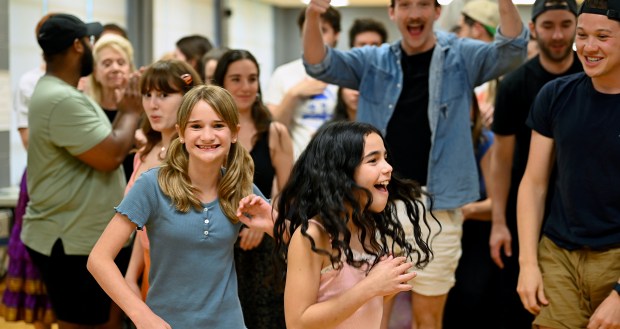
{"x":69,"y":200}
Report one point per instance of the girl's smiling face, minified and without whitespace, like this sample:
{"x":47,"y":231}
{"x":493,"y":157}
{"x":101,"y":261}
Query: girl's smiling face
{"x":207,"y":137}
{"x":374,"y":172}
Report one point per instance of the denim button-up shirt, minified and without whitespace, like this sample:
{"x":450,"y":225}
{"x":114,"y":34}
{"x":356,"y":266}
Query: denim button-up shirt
{"x":457,"y":66}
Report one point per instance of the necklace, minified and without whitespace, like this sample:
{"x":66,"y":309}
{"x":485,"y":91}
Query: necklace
{"x":162,"y":153}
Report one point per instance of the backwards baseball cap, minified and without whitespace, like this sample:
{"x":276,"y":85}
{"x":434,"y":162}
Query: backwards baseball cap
{"x":612,"y":11}
{"x":484,"y":12}
{"x":58,"y":32}
{"x":540,"y":6}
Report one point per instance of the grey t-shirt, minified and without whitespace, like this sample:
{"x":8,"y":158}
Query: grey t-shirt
{"x":193,"y":283}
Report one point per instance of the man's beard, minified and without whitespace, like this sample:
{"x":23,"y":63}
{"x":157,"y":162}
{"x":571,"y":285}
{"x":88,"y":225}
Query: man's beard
{"x":87,"y":62}
{"x":545,"y":48}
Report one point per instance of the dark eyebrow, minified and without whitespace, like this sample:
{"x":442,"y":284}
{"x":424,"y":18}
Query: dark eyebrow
{"x":371,"y":154}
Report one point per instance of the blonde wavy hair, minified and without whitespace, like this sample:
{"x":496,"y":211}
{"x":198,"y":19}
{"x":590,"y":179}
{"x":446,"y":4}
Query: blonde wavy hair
{"x":236,"y":180}
{"x":117,"y":43}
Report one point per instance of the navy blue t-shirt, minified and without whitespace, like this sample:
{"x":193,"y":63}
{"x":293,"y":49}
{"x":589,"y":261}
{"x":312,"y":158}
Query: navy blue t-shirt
{"x":585,"y":126}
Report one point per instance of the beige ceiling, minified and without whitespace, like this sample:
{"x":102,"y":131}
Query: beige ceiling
{"x":358,"y":3}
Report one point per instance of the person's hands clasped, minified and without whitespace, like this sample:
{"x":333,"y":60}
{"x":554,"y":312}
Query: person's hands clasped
{"x":129,"y":98}
{"x":391,"y":275}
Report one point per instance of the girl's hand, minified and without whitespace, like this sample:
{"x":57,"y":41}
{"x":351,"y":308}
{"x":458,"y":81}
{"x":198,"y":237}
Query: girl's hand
{"x":250,"y":238}
{"x":390,"y":276}
{"x":150,"y":320}
{"x":256,"y":213}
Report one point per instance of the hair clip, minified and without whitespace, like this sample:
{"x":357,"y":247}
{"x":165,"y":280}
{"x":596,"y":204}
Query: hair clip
{"x":187,"y":78}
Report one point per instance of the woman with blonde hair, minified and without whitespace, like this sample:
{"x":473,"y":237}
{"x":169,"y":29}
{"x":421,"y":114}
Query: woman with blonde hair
{"x":113,"y":63}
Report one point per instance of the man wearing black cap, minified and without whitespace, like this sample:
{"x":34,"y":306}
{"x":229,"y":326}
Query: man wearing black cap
{"x":570,"y":278}
{"x":553,"y":26}
{"x":74,"y":178}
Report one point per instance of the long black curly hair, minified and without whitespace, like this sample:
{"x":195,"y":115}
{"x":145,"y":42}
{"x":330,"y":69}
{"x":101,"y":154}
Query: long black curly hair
{"x":321,"y":186}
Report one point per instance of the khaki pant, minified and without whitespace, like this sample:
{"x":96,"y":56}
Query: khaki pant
{"x":575,"y":283}
{"x":438,"y":276}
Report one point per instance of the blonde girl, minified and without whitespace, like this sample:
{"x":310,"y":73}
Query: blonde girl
{"x":162,"y":85}
{"x":189,"y":207}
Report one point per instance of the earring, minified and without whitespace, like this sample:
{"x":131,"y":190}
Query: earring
{"x":181,"y":140}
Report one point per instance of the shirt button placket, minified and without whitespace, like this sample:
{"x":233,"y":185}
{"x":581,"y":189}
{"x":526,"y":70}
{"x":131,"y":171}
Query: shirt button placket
{"x":207,"y":221}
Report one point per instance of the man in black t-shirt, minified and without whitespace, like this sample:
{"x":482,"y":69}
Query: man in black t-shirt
{"x":553,"y":25}
{"x":570,"y":278}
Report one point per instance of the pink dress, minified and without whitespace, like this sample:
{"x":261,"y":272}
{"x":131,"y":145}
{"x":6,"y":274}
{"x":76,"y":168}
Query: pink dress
{"x":335,"y":282}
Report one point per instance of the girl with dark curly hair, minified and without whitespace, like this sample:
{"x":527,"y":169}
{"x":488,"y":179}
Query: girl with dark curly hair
{"x":337,"y":230}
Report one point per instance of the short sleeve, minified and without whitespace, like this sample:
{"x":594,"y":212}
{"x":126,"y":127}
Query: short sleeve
{"x":541,"y":113}
{"x":76,"y":125}
{"x":141,"y":201}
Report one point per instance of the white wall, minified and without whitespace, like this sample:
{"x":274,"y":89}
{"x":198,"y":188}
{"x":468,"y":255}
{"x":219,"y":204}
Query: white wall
{"x":174,"y":19}
{"x":250,"y":27}
{"x":25,"y":54}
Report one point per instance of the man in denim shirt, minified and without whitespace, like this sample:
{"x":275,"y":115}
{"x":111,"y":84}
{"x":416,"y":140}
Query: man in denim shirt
{"x":427,"y":128}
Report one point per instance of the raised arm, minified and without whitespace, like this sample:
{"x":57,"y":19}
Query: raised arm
{"x":530,"y":211}
{"x":110,"y":152}
{"x":501,"y":166}
{"x":312,"y":39}
{"x":509,"y":19}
